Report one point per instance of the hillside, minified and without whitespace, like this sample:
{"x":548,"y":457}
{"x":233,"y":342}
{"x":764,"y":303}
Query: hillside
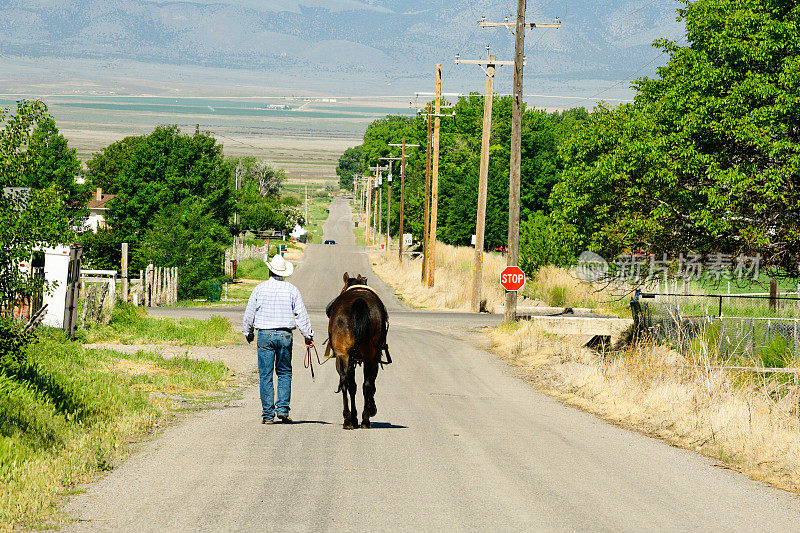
{"x":385,"y":41}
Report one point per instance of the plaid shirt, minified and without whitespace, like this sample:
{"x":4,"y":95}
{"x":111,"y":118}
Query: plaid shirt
{"x":276,"y":304}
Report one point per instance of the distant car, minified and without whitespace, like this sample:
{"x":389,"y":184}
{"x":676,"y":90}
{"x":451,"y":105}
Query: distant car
{"x":329,"y":241}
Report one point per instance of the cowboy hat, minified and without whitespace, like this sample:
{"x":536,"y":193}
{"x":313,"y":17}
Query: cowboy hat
{"x":279,"y":266}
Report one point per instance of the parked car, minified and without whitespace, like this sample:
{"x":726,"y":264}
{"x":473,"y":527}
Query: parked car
{"x":329,"y":241}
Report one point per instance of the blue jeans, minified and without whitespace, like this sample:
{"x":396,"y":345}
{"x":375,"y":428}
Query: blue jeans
{"x":274,"y":352}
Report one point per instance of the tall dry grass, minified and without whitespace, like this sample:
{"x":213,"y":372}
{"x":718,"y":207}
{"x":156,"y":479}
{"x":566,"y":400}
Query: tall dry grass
{"x":551,"y":286}
{"x":561,"y":287}
{"x":453,"y":278}
{"x":747,"y":420}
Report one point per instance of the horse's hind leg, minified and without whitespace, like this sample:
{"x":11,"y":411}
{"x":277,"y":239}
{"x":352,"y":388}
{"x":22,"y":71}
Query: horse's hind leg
{"x":352,"y":422}
{"x":341,"y":368}
{"x":370,"y":409}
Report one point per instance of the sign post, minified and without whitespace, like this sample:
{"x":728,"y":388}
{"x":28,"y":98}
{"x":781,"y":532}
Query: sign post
{"x":512,"y":278}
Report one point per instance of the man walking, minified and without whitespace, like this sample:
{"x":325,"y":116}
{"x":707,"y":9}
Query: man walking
{"x":276,"y":308}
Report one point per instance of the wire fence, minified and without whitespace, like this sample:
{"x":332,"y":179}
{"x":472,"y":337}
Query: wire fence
{"x":772,"y":341}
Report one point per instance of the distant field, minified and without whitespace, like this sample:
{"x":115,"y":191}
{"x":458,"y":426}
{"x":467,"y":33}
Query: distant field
{"x":305,"y":140}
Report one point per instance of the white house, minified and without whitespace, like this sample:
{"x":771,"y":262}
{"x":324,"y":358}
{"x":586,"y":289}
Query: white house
{"x":98,"y":206}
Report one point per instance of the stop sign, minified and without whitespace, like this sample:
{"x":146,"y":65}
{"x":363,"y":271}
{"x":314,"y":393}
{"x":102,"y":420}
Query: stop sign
{"x":512,"y":278}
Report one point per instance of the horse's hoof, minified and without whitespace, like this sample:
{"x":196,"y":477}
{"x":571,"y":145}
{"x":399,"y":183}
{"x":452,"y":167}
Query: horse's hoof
{"x":348,"y":425}
{"x":365,"y":424}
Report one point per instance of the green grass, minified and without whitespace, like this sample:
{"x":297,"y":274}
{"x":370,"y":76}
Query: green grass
{"x":317,"y":214}
{"x":68,"y":413}
{"x":359,"y":232}
{"x":251,"y":269}
{"x":132,"y":325}
{"x":745,"y":307}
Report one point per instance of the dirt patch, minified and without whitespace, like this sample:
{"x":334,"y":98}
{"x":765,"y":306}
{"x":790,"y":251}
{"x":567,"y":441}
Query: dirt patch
{"x":141,"y":368}
{"x":295,"y":254}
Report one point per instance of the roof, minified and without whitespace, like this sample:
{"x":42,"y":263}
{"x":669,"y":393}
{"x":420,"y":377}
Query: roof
{"x":94,"y":203}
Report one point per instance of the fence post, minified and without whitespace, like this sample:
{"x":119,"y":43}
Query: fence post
{"x":159,"y":285}
{"x":148,"y":286}
{"x":773,"y":294}
{"x":796,"y":339}
{"x":125,"y":286}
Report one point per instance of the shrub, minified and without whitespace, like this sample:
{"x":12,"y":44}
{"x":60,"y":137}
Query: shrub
{"x":13,"y":341}
{"x":188,"y":237}
{"x":545,"y":242}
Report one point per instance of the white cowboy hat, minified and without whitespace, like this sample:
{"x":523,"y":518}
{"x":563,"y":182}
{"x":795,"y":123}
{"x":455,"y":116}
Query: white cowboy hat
{"x":279,"y":266}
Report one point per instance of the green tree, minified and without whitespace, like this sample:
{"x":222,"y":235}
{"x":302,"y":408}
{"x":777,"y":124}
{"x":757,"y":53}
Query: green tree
{"x":349,"y":167}
{"x":102,"y":250}
{"x":34,"y":154}
{"x":459,"y":158}
{"x":269,"y":180}
{"x":545,"y":242}
{"x":52,"y":163}
{"x":15,"y":136}
{"x":187,"y":236}
{"x":165,"y":169}
{"x":707,"y":159}
{"x":105,"y":166}
{"x":258,"y":212}
{"x":29,"y":221}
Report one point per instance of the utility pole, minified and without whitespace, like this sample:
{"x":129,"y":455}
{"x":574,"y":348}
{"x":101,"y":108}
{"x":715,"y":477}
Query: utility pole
{"x":427,"y":201}
{"x":378,"y":184}
{"x":403,"y":147}
{"x":435,"y":179}
{"x":236,"y":184}
{"x":390,"y":160}
{"x":363,"y":206}
{"x":380,"y":207}
{"x":368,"y":220}
{"x":307,"y":221}
{"x":480,"y":224}
{"x":374,"y":211}
{"x":520,"y":29}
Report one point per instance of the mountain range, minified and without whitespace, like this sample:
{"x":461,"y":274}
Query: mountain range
{"x":388,"y":44}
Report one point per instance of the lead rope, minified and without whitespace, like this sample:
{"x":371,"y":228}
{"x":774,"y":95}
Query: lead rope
{"x":308,"y":362}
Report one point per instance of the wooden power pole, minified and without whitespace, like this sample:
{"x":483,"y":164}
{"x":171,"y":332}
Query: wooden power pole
{"x":435,"y":179}
{"x":427,"y":201}
{"x":480,"y":224}
{"x":403,"y":147}
{"x":389,"y":161}
{"x":377,"y":183}
{"x":368,"y":221}
{"x":520,"y":29}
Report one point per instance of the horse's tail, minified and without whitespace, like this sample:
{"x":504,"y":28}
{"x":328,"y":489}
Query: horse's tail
{"x":360,"y":317}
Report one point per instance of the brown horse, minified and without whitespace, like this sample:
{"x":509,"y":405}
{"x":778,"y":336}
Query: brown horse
{"x":357,"y":334}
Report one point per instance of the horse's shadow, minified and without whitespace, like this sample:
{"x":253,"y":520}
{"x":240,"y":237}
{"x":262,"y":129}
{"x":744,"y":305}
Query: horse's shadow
{"x":386,"y":425}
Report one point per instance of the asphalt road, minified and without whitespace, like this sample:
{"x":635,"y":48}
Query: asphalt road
{"x":458,"y":443}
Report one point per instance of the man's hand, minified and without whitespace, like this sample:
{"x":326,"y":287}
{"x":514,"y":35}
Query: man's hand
{"x":309,"y":343}
{"x":250,"y":337}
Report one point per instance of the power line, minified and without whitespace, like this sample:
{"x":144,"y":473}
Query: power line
{"x":553,"y":96}
{"x":628,"y":78}
{"x":235,"y":140}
